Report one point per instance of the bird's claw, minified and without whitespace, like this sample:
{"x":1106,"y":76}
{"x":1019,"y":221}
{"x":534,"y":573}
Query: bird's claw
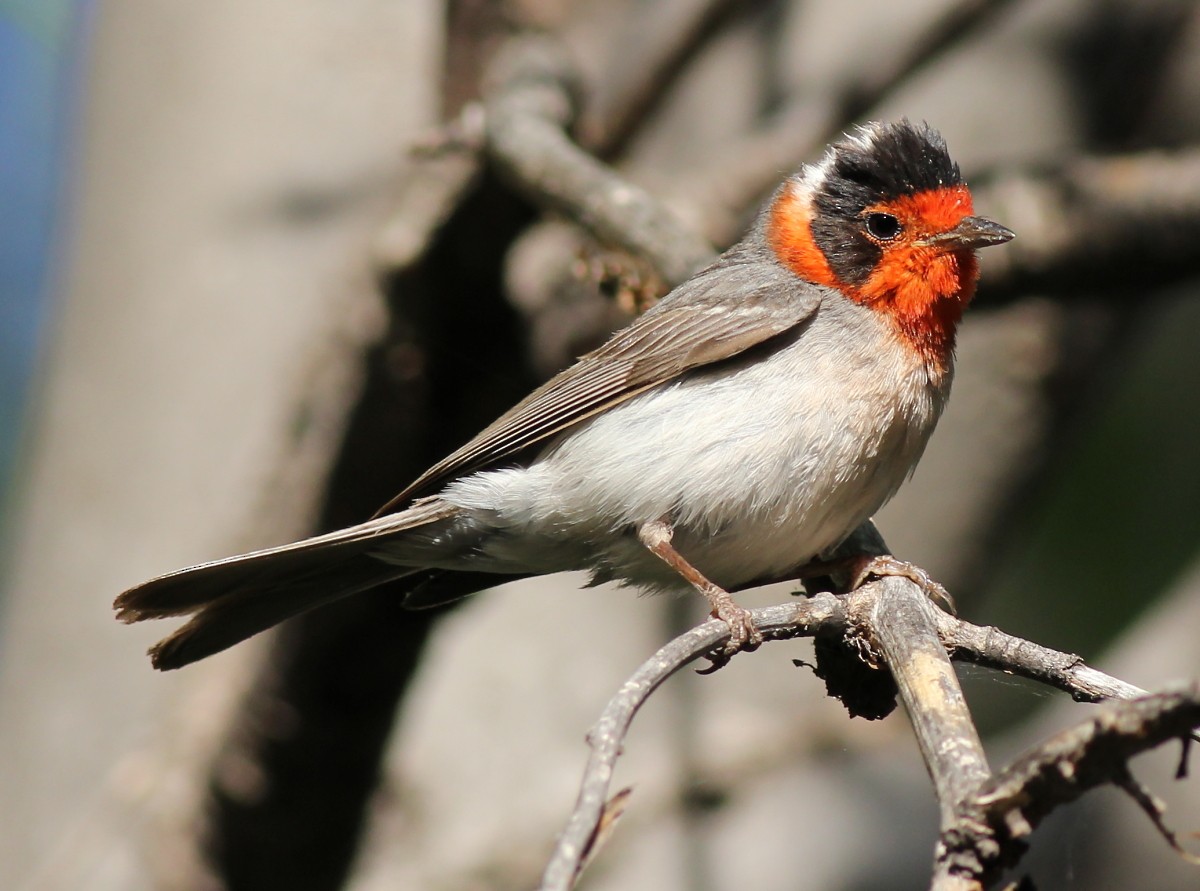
{"x":887,"y":565}
{"x":744,"y":635}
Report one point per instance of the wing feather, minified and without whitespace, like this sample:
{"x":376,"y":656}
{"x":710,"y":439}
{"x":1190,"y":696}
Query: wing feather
{"x":695,"y":325}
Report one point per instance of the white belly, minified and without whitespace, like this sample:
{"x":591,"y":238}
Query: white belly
{"x":759,"y":467}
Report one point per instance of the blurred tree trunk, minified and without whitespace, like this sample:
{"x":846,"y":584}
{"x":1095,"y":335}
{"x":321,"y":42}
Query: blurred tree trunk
{"x":235,"y":161}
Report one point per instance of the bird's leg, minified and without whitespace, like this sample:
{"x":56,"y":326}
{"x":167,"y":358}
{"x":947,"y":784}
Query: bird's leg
{"x":861,"y":567}
{"x":656,"y":536}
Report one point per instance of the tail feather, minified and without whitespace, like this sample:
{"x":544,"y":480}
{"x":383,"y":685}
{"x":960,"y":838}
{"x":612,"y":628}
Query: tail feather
{"x":237,"y":597}
{"x":244,"y":612}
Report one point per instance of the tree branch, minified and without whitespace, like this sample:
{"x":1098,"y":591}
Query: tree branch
{"x":529,"y":103}
{"x":894,"y":615}
{"x":607,"y":737}
{"x":905,"y":628}
{"x":1092,"y":225}
{"x":992,"y":648}
{"x":995,"y":823}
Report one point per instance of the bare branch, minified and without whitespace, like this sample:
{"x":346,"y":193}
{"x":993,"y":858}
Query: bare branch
{"x":529,"y":104}
{"x":607,"y":736}
{"x":984,"y":818}
{"x":905,"y":628}
{"x":1154,"y":808}
{"x":992,"y":648}
{"x":994,"y":825}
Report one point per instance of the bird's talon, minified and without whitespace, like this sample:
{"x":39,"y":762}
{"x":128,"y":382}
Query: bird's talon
{"x":941,"y":597}
{"x":716,"y":661}
{"x":743,"y":635}
{"x":887,"y":565}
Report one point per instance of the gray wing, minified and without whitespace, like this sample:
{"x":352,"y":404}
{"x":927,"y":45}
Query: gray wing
{"x":699,"y":323}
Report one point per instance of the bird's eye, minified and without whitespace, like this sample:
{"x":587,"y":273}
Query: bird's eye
{"x":883,"y":226}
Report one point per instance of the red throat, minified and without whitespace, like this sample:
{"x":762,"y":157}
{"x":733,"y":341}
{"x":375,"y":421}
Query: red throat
{"x":923,"y":290}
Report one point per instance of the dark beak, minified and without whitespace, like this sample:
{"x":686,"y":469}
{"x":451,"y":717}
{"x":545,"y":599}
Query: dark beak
{"x":971,"y":233}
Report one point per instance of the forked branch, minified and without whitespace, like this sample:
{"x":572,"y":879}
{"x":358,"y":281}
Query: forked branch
{"x":986,"y":818}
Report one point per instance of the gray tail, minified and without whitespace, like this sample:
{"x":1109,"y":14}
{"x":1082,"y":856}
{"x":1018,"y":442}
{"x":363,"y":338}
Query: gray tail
{"x":235,"y":598}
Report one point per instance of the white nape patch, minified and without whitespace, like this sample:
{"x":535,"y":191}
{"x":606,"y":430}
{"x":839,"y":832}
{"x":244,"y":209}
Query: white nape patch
{"x":811,"y":177}
{"x":808,"y":180}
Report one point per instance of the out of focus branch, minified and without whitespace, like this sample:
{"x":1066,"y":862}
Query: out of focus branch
{"x":953,"y":25}
{"x":654,"y":48}
{"x":530,"y":103}
{"x":1101,"y":226}
{"x":739,"y":176}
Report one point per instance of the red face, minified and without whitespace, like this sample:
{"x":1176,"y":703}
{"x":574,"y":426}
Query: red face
{"x":923,"y":287}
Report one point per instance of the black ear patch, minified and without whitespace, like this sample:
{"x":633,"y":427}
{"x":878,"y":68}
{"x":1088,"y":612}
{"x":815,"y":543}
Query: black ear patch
{"x":887,"y":162}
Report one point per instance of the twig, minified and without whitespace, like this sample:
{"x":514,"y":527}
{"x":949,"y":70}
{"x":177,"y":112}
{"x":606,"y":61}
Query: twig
{"x":1154,"y":808}
{"x":992,"y":648}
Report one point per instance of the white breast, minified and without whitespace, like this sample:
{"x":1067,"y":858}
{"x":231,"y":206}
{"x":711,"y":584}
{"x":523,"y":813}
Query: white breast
{"x":759,"y":465}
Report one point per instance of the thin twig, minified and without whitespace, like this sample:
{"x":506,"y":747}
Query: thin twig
{"x":1154,"y":808}
{"x":992,"y":648}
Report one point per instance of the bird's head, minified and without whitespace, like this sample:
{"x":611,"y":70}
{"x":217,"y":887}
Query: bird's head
{"x":885,"y":218}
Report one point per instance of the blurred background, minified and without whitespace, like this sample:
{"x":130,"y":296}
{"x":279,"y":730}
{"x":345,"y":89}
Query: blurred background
{"x":236,"y":307}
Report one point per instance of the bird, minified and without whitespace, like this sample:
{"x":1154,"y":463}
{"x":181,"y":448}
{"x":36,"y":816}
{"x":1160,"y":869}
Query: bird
{"x":734,"y":434}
